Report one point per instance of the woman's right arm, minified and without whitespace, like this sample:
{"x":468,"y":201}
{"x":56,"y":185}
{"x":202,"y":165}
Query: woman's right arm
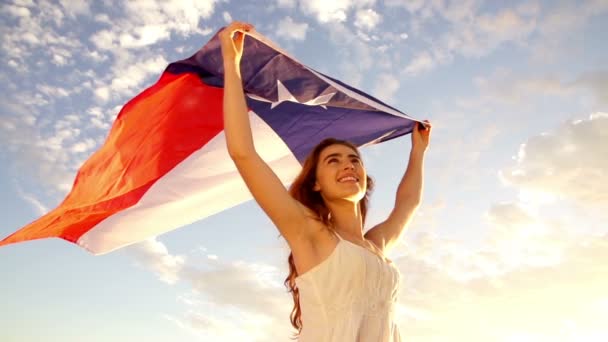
{"x":285,"y":212}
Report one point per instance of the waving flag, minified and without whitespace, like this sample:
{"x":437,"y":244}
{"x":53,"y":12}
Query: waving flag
{"x":165,"y":164}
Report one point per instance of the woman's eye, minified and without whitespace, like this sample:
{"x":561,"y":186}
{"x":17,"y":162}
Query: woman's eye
{"x":332,"y":160}
{"x":357,"y":161}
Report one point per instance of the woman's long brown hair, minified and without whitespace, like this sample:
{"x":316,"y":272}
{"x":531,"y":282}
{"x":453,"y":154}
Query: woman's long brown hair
{"x":302,"y":190}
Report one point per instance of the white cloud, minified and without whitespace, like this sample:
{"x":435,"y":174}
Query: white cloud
{"x":100,"y":118}
{"x":569,"y":162}
{"x":146,"y":23}
{"x":357,"y":56}
{"x":35,"y":34}
{"x":502,"y":88}
{"x":472,"y":33}
{"x":52,"y":91}
{"x":505,"y":87}
{"x":509,"y":214}
{"x":227,"y":17}
{"x":493,"y":301}
{"x":27,"y":3}
{"x":223,"y":281}
{"x":260,"y":313}
{"x":83,"y":146}
{"x":30,"y":38}
{"x":96,"y":56}
{"x":205,"y":31}
{"x":102,"y":18}
{"x":569,"y":16}
{"x":326,"y":11}
{"x":420,"y":63}
{"x":127,"y":76}
{"x":289,"y":29}
{"x":332,"y":11}
{"x":153,"y":255}
{"x":486,"y":33}
{"x":41,"y":209}
{"x":144,"y":35}
{"x":386,"y":86}
{"x":528,"y":267}
{"x":102,"y":93}
{"x":411,"y":6}
{"x":476,"y":32}
{"x":181,"y":16}
{"x":16,"y":11}
{"x":46,"y":147}
{"x":13,"y":64}
{"x":38,"y":144}
{"x":59,"y":60}
{"x":74,"y":8}
{"x":9,"y":126}
{"x":103,"y":39}
{"x":130,"y":79}
{"x":150,"y":22}
{"x":96,"y":112}
{"x":367,"y":19}
{"x":228,"y":326}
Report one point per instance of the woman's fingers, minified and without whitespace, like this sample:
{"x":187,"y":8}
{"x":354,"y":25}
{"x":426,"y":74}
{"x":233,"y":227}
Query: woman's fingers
{"x":234,"y":30}
{"x":241,"y":25}
{"x":421,"y":135}
{"x":424,"y":125}
{"x":237,"y":26}
{"x":428,"y":123}
{"x":232,"y":38}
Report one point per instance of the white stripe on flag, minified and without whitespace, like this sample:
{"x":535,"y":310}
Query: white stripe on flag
{"x":205,"y":183}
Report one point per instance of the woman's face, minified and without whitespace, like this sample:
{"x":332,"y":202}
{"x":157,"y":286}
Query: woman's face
{"x":340,"y":174}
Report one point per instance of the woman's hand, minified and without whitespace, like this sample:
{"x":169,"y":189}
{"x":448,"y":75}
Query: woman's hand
{"x":231,"y":41}
{"x":421,"y":135}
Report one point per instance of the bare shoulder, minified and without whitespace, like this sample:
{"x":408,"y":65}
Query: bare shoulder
{"x":377,"y":239}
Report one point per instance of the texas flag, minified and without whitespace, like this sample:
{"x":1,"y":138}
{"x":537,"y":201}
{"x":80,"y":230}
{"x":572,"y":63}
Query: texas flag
{"x":165,"y":164}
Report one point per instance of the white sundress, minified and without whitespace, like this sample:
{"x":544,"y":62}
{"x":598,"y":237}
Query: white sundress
{"x":349,"y":297}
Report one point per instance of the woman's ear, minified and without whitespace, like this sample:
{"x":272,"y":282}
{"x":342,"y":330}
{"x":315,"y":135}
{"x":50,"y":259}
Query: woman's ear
{"x":316,"y":187}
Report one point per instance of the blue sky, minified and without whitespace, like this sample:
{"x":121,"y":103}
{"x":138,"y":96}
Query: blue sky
{"x":508,"y":244}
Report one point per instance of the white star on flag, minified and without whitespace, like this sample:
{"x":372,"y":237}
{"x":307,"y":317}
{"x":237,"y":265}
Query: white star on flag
{"x":285,"y":95}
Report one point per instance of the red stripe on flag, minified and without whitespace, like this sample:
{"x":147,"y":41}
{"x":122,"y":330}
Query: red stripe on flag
{"x":152,"y":134}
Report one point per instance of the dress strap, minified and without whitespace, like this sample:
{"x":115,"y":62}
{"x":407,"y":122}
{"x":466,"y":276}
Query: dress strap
{"x":338,"y":235}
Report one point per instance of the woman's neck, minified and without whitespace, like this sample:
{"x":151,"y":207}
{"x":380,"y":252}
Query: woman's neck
{"x":346,"y":218}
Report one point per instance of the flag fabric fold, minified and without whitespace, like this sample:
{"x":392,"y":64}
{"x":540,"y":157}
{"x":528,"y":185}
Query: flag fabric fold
{"x":164,"y":163}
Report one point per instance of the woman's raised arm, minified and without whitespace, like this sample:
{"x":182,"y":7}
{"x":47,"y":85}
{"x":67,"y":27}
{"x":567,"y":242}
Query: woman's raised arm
{"x":409,"y":193}
{"x":286,"y":213}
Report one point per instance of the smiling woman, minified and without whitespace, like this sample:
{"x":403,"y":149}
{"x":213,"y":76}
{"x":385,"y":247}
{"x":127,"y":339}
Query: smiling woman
{"x":343,"y":287}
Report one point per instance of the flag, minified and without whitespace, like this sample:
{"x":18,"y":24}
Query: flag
{"x":165,"y":163}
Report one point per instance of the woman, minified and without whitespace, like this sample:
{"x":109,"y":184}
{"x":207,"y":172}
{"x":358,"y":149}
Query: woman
{"x":343,"y":286}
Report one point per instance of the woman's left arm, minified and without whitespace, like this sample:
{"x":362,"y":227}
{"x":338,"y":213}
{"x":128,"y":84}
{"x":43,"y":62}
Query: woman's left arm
{"x":409,"y":193}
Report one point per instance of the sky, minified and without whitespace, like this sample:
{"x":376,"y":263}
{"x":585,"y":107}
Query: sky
{"x":509,"y":243}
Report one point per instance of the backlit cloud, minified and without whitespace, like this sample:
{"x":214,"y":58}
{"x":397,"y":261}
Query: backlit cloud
{"x":289,"y":29}
{"x":568,"y":162}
